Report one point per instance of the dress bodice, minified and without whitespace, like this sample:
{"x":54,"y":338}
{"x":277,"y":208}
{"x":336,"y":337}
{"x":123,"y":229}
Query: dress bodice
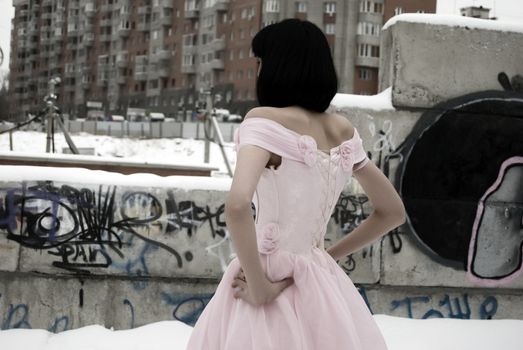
{"x":295,"y":201}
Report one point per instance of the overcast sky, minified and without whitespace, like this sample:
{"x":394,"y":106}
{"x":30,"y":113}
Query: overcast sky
{"x":506,"y":10}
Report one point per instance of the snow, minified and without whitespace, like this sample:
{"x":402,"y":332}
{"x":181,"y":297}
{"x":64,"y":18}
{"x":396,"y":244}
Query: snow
{"x":400,"y":334}
{"x":456,"y":21}
{"x":181,"y":152}
{"x":85,"y":176}
{"x":381,"y":101}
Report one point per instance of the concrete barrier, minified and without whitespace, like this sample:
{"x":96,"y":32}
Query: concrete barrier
{"x":151,"y":250}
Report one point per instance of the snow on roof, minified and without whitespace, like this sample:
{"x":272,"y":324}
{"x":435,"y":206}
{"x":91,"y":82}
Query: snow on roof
{"x":381,"y":101}
{"x":456,"y":21}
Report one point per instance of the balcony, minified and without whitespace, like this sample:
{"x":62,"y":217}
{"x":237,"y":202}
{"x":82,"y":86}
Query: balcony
{"x":140,"y":76}
{"x":121,"y":80}
{"x":216,"y":64}
{"x":46,"y":15}
{"x":143,"y":26}
{"x":221,"y":5}
{"x":104,"y":37}
{"x":106,"y":22}
{"x":218,"y":44}
{"x":88,"y":39}
{"x":106,"y":8}
{"x":121,"y":59}
{"x":143,"y":10}
{"x":20,"y":2}
{"x":163,"y":72}
{"x":166,"y":20}
{"x":123,"y":31}
{"x":192,"y":14}
{"x":367,"y":61}
{"x":163,"y":55}
{"x":89,"y":8}
{"x":189,"y":69}
{"x":166,"y":4}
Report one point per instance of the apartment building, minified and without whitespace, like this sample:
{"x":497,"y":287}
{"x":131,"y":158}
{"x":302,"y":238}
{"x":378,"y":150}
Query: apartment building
{"x":121,"y":54}
{"x":161,"y":55}
{"x":372,"y":15}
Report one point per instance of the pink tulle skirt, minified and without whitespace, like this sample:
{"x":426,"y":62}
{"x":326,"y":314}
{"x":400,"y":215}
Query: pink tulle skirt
{"x":322,"y":310}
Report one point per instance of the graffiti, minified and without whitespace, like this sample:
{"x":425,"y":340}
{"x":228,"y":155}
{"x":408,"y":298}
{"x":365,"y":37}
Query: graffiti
{"x":495,"y":253}
{"x":131,"y":310}
{"x":188,"y":216}
{"x":60,"y":324}
{"x":187,"y":309}
{"x":454,"y":154}
{"x":457,"y":307}
{"x":82,"y":228}
{"x":16,"y":317}
{"x":349,"y":211}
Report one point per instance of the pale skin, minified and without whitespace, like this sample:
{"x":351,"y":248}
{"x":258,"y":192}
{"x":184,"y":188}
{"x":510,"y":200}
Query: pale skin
{"x":329,"y":130}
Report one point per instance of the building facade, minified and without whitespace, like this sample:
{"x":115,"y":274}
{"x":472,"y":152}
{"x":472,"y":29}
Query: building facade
{"x":164,"y":55}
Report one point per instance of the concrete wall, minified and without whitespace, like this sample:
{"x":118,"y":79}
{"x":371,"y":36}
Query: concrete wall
{"x":125,"y":255}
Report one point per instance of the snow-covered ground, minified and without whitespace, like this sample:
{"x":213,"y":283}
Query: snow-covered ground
{"x":175,"y":151}
{"x":400,"y":334}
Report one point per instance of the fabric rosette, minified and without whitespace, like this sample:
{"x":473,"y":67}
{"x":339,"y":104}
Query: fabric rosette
{"x":308,"y":148}
{"x":268,"y":238}
{"x":347,"y":155}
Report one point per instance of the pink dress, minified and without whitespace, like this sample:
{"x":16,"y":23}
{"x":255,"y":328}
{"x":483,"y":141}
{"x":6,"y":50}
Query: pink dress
{"x":322,"y":310}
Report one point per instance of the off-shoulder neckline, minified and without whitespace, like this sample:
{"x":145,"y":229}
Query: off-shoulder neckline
{"x":297,"y":134}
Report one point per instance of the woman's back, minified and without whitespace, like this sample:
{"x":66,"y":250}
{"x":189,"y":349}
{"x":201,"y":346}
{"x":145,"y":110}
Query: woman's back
{"x":299,"y":188}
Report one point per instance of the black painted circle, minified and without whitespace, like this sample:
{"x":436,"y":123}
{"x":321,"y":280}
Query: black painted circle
{"x":454,"y":154}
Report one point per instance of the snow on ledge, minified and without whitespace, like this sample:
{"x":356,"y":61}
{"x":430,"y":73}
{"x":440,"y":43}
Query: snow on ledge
{"x":381,"y":101}
{"x":456,"y":21}
{"x":16,"y":173}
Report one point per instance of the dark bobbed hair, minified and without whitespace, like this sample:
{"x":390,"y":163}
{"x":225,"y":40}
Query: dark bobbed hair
{"x":297,"y":66}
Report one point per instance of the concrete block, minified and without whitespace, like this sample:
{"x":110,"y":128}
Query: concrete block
{"x":414,"y":266}
{"x":59,"y":304}
{"x":9,"y":253}
{"x":427,"y":64}
{"x":462,"y":303}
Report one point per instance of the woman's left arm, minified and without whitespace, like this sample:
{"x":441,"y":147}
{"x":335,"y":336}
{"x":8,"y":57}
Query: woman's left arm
{"x":257,"y":289}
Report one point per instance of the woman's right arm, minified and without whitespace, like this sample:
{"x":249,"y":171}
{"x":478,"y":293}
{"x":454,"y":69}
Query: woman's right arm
{"x":388,"y":212}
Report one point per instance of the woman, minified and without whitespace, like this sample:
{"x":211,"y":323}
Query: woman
{"x":284,"y":290}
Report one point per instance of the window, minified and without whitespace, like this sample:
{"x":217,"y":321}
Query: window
{"x":329,"y":28}
{"x":368,"y":28}
{"x":301,"y":7}
{"x":188,"y":60}
{"x":367,"y":50}
{"x":365,"y":74}
{"x":371,"y":6}
{"x":191,"y":5}
{"x":330,"y":8}
{"x":398,"y":11}
{"x":272,"y":6}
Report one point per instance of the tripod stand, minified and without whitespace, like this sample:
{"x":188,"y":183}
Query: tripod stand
{"x":210,"y":121}
{"x":52,"y":115}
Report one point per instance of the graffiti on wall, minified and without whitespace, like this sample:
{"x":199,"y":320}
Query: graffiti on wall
{"x":187,"y":308}
{"x":87,"y":229}
{"x":461,"y":180}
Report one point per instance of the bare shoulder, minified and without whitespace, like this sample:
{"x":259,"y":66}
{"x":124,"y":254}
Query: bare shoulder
{"x":342,"y":125}
{"x":272,"y":113}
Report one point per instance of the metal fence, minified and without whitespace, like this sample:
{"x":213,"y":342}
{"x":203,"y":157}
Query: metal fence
{"x":152,"y":130}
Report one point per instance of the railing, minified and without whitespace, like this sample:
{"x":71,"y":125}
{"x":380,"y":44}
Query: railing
{"x":186,"y":130}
